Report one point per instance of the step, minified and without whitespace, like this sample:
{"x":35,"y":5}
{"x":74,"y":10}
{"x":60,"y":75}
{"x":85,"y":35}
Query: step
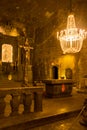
{"x":33,"y":120}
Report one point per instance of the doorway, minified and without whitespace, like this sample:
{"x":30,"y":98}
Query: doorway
{"x":55,"y":72}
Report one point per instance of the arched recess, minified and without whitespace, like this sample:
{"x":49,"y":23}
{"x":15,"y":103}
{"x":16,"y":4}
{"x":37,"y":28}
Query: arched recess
{"x":7,"y":53}
{"x":55,"y":72}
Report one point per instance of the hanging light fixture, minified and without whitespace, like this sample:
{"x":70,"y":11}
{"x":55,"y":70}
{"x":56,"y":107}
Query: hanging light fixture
{"x":71,"y":38}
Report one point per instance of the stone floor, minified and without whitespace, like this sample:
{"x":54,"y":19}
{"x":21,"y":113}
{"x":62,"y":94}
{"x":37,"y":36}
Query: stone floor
{"x":68,"y":124}
{"x":54,"y":111}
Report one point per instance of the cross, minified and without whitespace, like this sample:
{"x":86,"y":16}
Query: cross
{"x":27,"y":48}
{"x":26,"y":45}
{"x":27,"y":61}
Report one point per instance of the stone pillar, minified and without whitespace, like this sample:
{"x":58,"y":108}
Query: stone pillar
{"x":30,"y":75}
{"x":2,"y":105}
{"x":15,"y":104}
{"x":20,"y":67}
{"x":27,"y":102}
{"x":37,"y":102}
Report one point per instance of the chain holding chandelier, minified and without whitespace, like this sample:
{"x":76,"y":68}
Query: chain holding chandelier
{"x":71,"y":38}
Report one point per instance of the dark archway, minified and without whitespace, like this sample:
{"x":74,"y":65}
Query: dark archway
{"x":55,"y":72}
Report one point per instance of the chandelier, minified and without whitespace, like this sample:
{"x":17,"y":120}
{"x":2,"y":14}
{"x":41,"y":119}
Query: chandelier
{"x":71,"y":38}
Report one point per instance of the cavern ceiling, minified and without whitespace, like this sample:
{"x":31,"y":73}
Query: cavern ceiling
{"x":38,"y":13}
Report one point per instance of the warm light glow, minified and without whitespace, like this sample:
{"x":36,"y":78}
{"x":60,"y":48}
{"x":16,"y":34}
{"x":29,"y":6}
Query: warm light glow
{"x":7,"y":53}
{"x":2,"y":30}
{"x":9,"y":31}
{"x":71,"y":39}
{"x":66,"y":61}
{"x":13,"y":32}
{"x":63,"y":88}
{"x":9,"y":77}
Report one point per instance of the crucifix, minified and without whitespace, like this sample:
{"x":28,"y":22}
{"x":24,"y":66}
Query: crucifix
{"x":26,"y":61}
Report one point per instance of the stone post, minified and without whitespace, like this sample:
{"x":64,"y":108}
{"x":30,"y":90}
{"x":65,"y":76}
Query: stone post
{"x":2,"y":105}
{"x":27,"y":102}
{"x":15,"y":104}
{"x":37,"y":101}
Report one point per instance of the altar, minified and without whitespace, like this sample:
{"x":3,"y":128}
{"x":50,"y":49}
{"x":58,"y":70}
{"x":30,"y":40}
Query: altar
{"x":58,"y":88}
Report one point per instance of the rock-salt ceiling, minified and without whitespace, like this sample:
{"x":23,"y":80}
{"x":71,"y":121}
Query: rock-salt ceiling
{"x":38,"y":13}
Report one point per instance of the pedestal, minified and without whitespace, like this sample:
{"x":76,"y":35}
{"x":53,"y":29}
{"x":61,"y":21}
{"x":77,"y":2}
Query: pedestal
{"x":30,"y":74}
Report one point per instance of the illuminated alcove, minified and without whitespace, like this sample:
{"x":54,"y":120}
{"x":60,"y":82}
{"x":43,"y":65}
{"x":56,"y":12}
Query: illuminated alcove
{"x":7,"y":53}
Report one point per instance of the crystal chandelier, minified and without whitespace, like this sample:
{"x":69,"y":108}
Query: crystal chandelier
{"x":71,"y":38}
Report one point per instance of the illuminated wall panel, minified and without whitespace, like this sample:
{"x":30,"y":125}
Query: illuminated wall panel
{"x":7,"y":53}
